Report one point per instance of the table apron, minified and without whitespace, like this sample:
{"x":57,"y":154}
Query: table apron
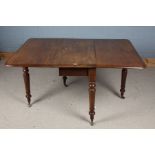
{"x":73,"y":71}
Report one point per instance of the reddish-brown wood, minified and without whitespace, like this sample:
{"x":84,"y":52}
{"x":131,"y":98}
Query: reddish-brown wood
{"x":123,"y":82}
{"x":77,"y":53}
{"x":92,"y":90}
{"x":64,"y":53}
{"x":27,"y":84}
{"x":117,"y":53}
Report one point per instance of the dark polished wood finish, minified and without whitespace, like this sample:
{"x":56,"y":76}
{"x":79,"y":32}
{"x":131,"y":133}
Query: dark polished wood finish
{"x":77,"y":53}
{"x":55,"y":53}
{"x":117,"y":53}
{"x":123,"y":82}
{"x":92,"y":90}
{"x":27,"y":84}
{"x":73,"y":72}
{"x":77,"y":57}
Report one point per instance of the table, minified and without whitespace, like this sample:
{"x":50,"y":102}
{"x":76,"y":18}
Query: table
{"x":77,"y":57}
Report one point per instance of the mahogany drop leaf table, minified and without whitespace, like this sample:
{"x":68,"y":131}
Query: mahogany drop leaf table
{"x":77,"y":57}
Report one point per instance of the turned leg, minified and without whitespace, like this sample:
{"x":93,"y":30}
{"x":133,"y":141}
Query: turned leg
{"x":64,"y":81}
{"x":27,"y":84}
{"x":123,"y":82}
{"x":92,"y":90}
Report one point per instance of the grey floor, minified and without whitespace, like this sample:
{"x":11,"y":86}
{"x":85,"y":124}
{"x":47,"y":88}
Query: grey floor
{"x":55,"y":106}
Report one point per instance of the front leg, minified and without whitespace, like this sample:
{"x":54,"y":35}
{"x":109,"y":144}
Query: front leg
{"x":123,"y":82}
{"x":27,"y":84}
{"x":92,"y":90}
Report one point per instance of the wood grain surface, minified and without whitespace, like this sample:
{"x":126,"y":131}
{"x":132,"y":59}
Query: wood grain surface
{"x":118,"y":53}
{"x":77,"y":53}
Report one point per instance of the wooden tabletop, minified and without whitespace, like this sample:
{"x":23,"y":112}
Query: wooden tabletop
{"x":77,"y":53}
